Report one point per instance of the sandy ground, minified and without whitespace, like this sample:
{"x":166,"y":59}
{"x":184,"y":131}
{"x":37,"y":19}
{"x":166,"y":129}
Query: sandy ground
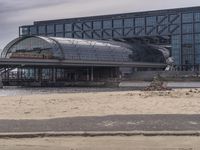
{"x":185,"y":101}
{"x":103,"y":143}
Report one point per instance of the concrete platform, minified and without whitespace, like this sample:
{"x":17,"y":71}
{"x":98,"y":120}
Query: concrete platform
{"x":168,"y":84}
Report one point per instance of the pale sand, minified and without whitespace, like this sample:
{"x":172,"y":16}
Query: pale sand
{"x":100,"y":104}
{"x":103,"y":143}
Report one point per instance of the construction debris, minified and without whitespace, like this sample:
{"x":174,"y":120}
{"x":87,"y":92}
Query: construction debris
{"x":157,"y":85}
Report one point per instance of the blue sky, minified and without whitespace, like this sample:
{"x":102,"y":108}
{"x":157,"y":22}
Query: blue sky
{"x":14,"y":13}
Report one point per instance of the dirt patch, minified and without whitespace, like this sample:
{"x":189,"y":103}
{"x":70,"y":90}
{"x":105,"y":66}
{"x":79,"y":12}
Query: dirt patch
{"x":184,"y":101}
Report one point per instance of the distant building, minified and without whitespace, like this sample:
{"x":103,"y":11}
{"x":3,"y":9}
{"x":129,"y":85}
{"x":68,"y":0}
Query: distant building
{"x":176,"y":29}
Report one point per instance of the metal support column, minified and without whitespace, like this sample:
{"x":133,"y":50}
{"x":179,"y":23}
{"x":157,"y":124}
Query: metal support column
{"x":40,"y":74}
{"x":1,"y":83}
{"x":18,"y":78}
{"x":35,"y":75}
{"x":54,"y":74}
{"x":88,"y":75}
{"x":92,"y":74}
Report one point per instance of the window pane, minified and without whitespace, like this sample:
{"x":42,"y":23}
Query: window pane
{"x":97,"y":34}
{"x":68,"y":27}
{"x":197,"y":58}
{"x":197,"y":38}
{"x":188,"y":59}
{"x":128,"y":22}
{"x":187,"y":17}
{"x":97,"y":25}
{"x":33,"y":30}
{"x":188,"y":49}
{"x":24,"y":31}
{"x":128,"y":32}
{"x":162,"y":29}
{"x":107,"y":24}
{"x":107,"y":34}
{"x":118,"y":33}
{"x":87,"y":35}
{"x":68,"y":35}
{"x":118,"y":23}
{"x":176,"y":48}
{"x":139,"y":21}
{"x":59,"y":28}
{"x":175,"y":18}
{"x":78,"y":27}
{"x":174,"y":29}
{"x":151,"y":21}
{"x":197,"y":27}
{"x":139,"y":31}
{"x":50,"y":29}
{"x":87,"y":26}
{"x":197,"y":48}
{"x":197,"y":16}
{"x":188,"y":39}
{"x":78,"y":35}
{"x":151,"y":30}
{"x":41,"y":29}
{"x":59,"y":34}
{"x":187,"y":28}
{"x":162,"y":20}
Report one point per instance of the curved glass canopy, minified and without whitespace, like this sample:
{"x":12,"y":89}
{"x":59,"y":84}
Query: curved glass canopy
{"x":39,"y":47}
{"x":66,"y":49}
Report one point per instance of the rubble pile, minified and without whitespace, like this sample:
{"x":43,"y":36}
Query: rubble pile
{"x":157,"y":85}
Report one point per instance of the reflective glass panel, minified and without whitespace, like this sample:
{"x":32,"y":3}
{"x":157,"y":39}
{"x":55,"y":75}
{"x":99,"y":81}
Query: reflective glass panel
{"x":187,"y":17}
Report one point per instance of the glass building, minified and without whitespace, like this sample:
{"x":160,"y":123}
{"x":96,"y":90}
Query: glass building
{"x":52,"y":61}
{"x":178,"y":29}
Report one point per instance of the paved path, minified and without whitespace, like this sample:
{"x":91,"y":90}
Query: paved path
{"x":106,"y":123}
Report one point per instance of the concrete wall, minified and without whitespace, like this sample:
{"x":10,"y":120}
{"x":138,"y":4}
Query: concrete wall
{"x":166,"y":75}
{"x":172,"y":84}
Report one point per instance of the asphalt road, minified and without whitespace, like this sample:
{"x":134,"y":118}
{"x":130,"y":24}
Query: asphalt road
{"x":106,"y":123}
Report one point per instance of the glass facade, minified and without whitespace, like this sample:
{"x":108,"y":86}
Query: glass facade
{"x":128,"y":23}
{"x":87,"y":26}
{"x":107,"y":24}
{"x":188,"y":54}
{"x":118,"y":23}
{"x":181,"y":25}
{"x":197,"y":48}
{"x":176,"y":48}
{"x":187,"y":28}
{"x":59,"y":28}
{"x":41,"y":30}
{"x":187,"y":17}
{"x":33,"y":30}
